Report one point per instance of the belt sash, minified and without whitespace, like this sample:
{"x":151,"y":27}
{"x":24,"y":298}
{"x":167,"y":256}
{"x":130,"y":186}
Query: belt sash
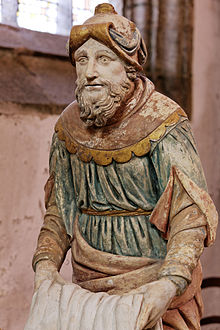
{"x":116,"y":213}
{"x":98,"y":271}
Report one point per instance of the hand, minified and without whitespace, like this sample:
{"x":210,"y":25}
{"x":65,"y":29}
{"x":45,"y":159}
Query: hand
{"x":46,"y":270}
{"x":157,"y":298}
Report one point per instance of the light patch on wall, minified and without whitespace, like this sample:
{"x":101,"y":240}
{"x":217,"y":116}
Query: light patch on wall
{"x":38,"y":15}
{"x":84,"y":9}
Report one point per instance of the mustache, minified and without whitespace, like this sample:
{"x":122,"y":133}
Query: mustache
{"x":82,"y":83}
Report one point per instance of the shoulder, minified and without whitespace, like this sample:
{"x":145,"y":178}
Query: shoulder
{"x":69,"y":123}
{"x":177,"y":134}
{"x":69,"y":115}
{"x":161,"y":106}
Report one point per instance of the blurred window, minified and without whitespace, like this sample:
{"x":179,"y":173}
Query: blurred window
{"x":0,"y":10}
{"x":84,"y":9}
{"x":53,"y":16}
{"x":38,"y":15}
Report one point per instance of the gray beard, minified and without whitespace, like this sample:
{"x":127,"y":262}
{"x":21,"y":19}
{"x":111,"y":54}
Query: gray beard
{"x":97,"y":107}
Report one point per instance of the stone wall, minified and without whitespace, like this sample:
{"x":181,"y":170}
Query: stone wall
{"x":37,"y":82}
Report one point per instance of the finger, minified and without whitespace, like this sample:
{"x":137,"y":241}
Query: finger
{"x":158,"y":325}
{"x":38,"y":282}
{"x":154,"y":317}
{"x":149,"y":315}
{"x":59,"y":279}
{"x":143,"y":317}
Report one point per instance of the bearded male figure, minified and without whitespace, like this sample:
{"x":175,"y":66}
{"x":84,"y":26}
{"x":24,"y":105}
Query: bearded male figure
{"x":126,"y":190}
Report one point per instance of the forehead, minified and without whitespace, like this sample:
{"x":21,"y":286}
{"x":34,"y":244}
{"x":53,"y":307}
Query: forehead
{"x":93,"y":46}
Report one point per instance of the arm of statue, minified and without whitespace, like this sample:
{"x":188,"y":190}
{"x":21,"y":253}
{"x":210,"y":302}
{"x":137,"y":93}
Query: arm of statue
{"x":186,"y":232}
{"x":53,"y":242}
{"x":175,"y":275}
{"x":188,"y":228}
{"x":184,"y":214}
{"x":186,"y":217}
{"x":188,"y":225}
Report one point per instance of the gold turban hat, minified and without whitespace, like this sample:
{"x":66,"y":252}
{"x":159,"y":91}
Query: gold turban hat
{"x":114,"y":31}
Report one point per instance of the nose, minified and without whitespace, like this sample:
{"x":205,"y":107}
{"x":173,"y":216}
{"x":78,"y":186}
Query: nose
{"x":91,"y":72}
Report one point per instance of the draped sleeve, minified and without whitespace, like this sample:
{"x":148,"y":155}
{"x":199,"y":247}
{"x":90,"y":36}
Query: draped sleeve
{"x":178,"y":149}
{"x":184,"y":213}
{"x":64,"y":185}
{"x":55,"y":239}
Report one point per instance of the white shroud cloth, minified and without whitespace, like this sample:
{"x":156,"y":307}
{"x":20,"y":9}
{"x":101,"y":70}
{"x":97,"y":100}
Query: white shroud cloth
{"x":67,"y":306}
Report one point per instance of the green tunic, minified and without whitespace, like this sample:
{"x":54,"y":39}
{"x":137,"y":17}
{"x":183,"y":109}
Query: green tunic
{"x":138,"y":183}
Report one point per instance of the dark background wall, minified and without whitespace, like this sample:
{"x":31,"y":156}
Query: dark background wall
{"x":167,"y":28}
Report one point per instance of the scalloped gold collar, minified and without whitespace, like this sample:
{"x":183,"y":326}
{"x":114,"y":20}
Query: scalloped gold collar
{"x":148,"y":121}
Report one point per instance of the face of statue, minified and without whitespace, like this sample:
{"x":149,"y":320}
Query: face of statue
{"x":102,"y":82}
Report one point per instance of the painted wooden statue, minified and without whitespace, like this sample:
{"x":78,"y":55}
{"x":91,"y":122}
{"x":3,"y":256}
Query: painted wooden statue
{"x":126,"y":194}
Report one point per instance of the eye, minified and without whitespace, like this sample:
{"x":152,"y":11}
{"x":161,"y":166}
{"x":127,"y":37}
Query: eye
{"x":104,"y":59}
{"x":82,"y":60}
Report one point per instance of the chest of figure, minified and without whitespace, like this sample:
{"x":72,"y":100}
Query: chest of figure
{"x":133,"y":183}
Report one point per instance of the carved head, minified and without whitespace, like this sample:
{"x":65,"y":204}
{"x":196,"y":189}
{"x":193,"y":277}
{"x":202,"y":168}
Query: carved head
{"x":107,"y":51}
